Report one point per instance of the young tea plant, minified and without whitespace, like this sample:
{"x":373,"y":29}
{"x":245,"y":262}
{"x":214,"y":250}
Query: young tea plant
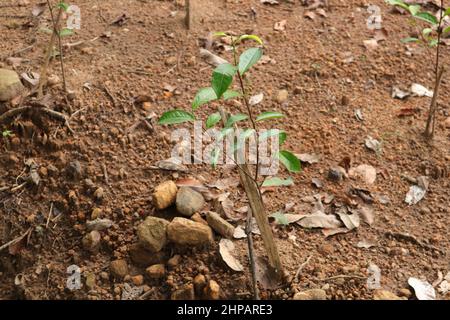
{"x":430,"y":36}
{"x":221,"y":82}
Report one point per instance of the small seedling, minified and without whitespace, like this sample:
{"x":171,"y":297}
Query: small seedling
{"x":221,"y":82}
{"x":430,"y":36}
{"x":7,"y":134}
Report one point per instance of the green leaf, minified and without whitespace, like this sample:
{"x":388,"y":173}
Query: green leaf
{"x":447,"y":12}
{"x":215,"y":153}
{"x":7,"y":133}
{"x":222,"y":78}
{"x":63,"y":6}
{"x":428,"y":17}
{"x":411,"y":39}
{"x":273,"y":132}
{"x":65,"y":32}
{"x":399,"y":3}
{"x":269,"y":115}
{"x":248,"y":58}
{"x":427,"y":31}
{"x":251,"y":37}
{"x":414,"y":9}
{"x":446,"y":30}
{"x":289,"y":160}
{"x":203,"y":96}
{"x":433,"y":43}
{"x":235,"y":118}
{"x":176,"y":116}
{"x":220,"y":34}
{"x":213,"y":119}
{"x":277,"y":182}
{"x":280,"y":218}
{"x":230,"y":94}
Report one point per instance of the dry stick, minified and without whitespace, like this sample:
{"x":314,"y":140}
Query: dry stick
{"x":188,"y":15}
{"x":258,"y":210}
{"x":297,"y":274}
{"x":43,"y":75}
{"x":56,"y":30}
{"x":248,"y":231}
{"x":14,"y":241}
{"x":429,"y":129}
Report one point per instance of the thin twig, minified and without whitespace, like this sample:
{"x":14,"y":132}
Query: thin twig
{"x":14,"y":241}
{"x":49,"y":215}
{"x":297,"y":274}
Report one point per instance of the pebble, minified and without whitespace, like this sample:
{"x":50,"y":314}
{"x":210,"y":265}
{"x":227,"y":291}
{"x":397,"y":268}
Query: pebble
{"x":212,"y":291}
{"x":311,"y":294}
{"x":282,"y":96}
{"x":184,"y":293}
{"x":138,"y":280}
{"x":405,"y":293}
{"x":152,"y":233}
{"x":183,"y":231}
{"x":96,"y":213}
{"x":447,"y":123}
{"x":189,"y":201}
{"x":10,"y":85}
{"x":74,"y":170}
{"x":326,"y":249}
{"x":53,"y":80}
{"x":220,"y":225}
{"x":143,"y":257}
{"x":99,"y":224}
{"x":165,"y":195}
{"x":198,"y":218}
{"x":91,"y":241}
{"x":90,"y":280}
{"x":174,"y":261}
{"x":156,"y":271}
{"x":118,"y":268}
{"x":170,"y":61}
{"x":199,"y":284}
{"x":336,"y":174}
{"x":99,"y":194}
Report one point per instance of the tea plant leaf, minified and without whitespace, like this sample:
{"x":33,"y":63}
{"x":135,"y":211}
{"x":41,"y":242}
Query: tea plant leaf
{"x":203,"y":96}
{"x":269,"y":115}
{"x":410,"y":39}
{"x":248,"y":58}
{"x":277,"y":182}
{"x":235,"y":118}
{"x":251,"y":37}
{"x":433,"y":43}
{"x":230,"y":94}
{"x":273,"y":132}
{"x":447,"y":12}
{"x":220,"y":34}
{"x":446,"y":30}
{"x":399,"y":3}
{"x":212,"y":120}
{"x":428,"y":17}
{"x":222,"y":78}
{"x":176,"y":116}
{"x":427,"y":31}
{"x":280,"y":218}
{"x":65,"y":32}
{"x":414,"y":9}
{"x":289,"y":160}
{"x":63,"y":6}
{"x":46,"y":30}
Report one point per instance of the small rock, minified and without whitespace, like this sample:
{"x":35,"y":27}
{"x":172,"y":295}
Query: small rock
{"x":385,"y":295}
{"x":326,"y":249}
{"x":198,"y":218}
{"x":212,"y":291}
{"x":53,"y":80}
{"x":199,"y":284}
{"x":90,"y":280}
{"x":156,"y":271}
{"x":74,"y":170}
{"x":91,"y":241}
{"x":189,"y":201}
{"x":170,"y":61}
{"x":311,"y":294}
{"x":96,"y":213}
{"x":143,"y":257}
{"x":220,"y":225}
{"x":10,"y":85}
{"x":184,"y":293}
{"x":405,"y":293}
{"x":152,"y":233}
{"x":99,"y":194}
{"x":174,"y":261}
{"x":187,"y":232}
{"x":336,"y":174}
{"x":282,"y":96}
{"x":118,"y":268}
{"x":138,"y":280}
{"x":98,"y":224}
{"x":165,"y":195}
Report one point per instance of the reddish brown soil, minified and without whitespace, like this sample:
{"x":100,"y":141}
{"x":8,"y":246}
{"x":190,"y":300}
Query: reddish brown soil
{"x":309,"y":56}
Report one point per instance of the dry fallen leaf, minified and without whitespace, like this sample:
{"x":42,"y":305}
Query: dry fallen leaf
{"x":308,"y":158}
{"x":320,"y":220}
{"x":420,"y":91}
{"x":265,"y":274}
{"x":422,"y":289}
{"x":371,"y":44}
{"x":254,"y":100}
{"x":226,"y":250}
{"x":373,"y":144}
{"x":226,"y":183}
{"x":310,"y":15}
{"x":366,"y":172}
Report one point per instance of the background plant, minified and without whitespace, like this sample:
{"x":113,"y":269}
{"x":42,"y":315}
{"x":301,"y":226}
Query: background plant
{"x":430,"y":36}
{"x":221,"y":82}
